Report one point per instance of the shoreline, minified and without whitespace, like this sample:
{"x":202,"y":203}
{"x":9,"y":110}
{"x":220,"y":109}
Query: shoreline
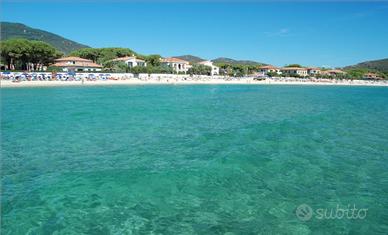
{"x":10,"y":84}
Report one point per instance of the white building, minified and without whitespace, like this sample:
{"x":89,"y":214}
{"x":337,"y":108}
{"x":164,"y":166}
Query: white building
{"x":131,"y":61}
{"x":296,"y":70}
{"x":313,"y":70}
{"x":72,"y":64}
{"x":215,"y":69}
{"x":333,"y":72}
{"x":177,"y":64}
{"x":269,"y":68}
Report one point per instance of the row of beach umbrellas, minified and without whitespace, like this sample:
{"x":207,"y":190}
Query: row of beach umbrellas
{"x":34,"y":74}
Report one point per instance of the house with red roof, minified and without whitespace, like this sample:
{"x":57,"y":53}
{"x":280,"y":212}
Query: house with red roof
{"x":333,"y":72}
{"x":313,"y":70}
{"x":131,"y":61}
{"x":72,"y":64}
{"x":371,"y":76}
{"x":178,"y":64}
{"x":294,"y":70}
{"x":269,"y":68}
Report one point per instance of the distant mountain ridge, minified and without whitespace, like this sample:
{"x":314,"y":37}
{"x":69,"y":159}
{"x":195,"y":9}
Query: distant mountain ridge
{"x":17,"y":30}
{"x":190,"y":58}
{"x":195,"y":59}
{"x":380,"y":65}
{"x":234,"y":62}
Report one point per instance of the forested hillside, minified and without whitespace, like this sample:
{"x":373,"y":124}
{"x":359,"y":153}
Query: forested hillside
{"x":17,"y":30}
{"x":380,"y":65}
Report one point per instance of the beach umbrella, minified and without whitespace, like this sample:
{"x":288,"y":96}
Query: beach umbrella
{"x":25,"y":74}
{"x":6,"y":73}
{"x":42,"y":74}
{"x":91,"y":74}
{"x":107,"y":74}
{"x":70,"y":74}
{"x":101,"y":74}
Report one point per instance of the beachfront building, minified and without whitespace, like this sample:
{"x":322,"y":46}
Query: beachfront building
{"x":131,"y":61}
{"x":294,"y":70}
{"x":73,"y":64}
{"x":215,"y":69}
{"x":371,"y":76}
{"x":333,"y":72}
{"x":269,"y":68}
{"x":178,"y":64}
{"x":313,"y":70}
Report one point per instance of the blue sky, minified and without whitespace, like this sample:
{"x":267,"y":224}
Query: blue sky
{"x":280,"y":32}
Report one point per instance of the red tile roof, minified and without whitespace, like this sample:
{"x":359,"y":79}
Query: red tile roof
{"x":171,"y":59}
{"x":334,"y":71}
{"x":203,"y":62}
{"x":73,"y":58}
{"x":124,"y":58}
{"x":312,"y":68}
{"x":371,"y":75}
{"x":293,"y":68}
{"x":90,"y":65}
{"x":269,"y":67}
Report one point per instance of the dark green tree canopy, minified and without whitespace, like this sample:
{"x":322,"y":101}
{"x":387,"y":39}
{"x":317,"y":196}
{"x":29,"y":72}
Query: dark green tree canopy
{"x":101,"y":55}
{"x":294,"y":65}
{"x":201,"y":69}
{"x":21,"y":53}
{"x":154,"y":60}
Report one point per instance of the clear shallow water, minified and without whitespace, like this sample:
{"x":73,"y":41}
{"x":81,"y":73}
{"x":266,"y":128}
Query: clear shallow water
{"x":192,"y":159}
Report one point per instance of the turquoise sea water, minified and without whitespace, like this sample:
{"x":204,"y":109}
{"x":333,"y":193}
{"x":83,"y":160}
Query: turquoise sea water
{"x":193,"y":159}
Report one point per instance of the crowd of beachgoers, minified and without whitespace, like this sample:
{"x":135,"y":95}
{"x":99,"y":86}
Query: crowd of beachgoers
{"x":10,"y":79}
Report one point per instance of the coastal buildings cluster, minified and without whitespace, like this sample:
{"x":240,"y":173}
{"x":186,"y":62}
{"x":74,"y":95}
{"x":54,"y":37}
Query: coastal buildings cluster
{"x":297,"y":70}
{"x":74,"y":64}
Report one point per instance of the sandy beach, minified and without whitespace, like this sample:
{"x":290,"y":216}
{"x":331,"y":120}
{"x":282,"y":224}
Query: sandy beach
{"x":8,"y":83}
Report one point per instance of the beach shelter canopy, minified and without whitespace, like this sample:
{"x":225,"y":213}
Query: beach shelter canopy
{"x":6,"y":73}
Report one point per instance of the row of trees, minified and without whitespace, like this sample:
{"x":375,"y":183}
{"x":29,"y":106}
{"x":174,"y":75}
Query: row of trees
{"x":238,"y":70}
{"x":122,"y":67}
{"x":22,"y":54}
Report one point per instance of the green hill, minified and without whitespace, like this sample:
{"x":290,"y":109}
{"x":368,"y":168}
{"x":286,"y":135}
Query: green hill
{"x":380,"y":65}
{"x":17,"y":30}
{"x":190,"y":58}
{"x":234,"y":62}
